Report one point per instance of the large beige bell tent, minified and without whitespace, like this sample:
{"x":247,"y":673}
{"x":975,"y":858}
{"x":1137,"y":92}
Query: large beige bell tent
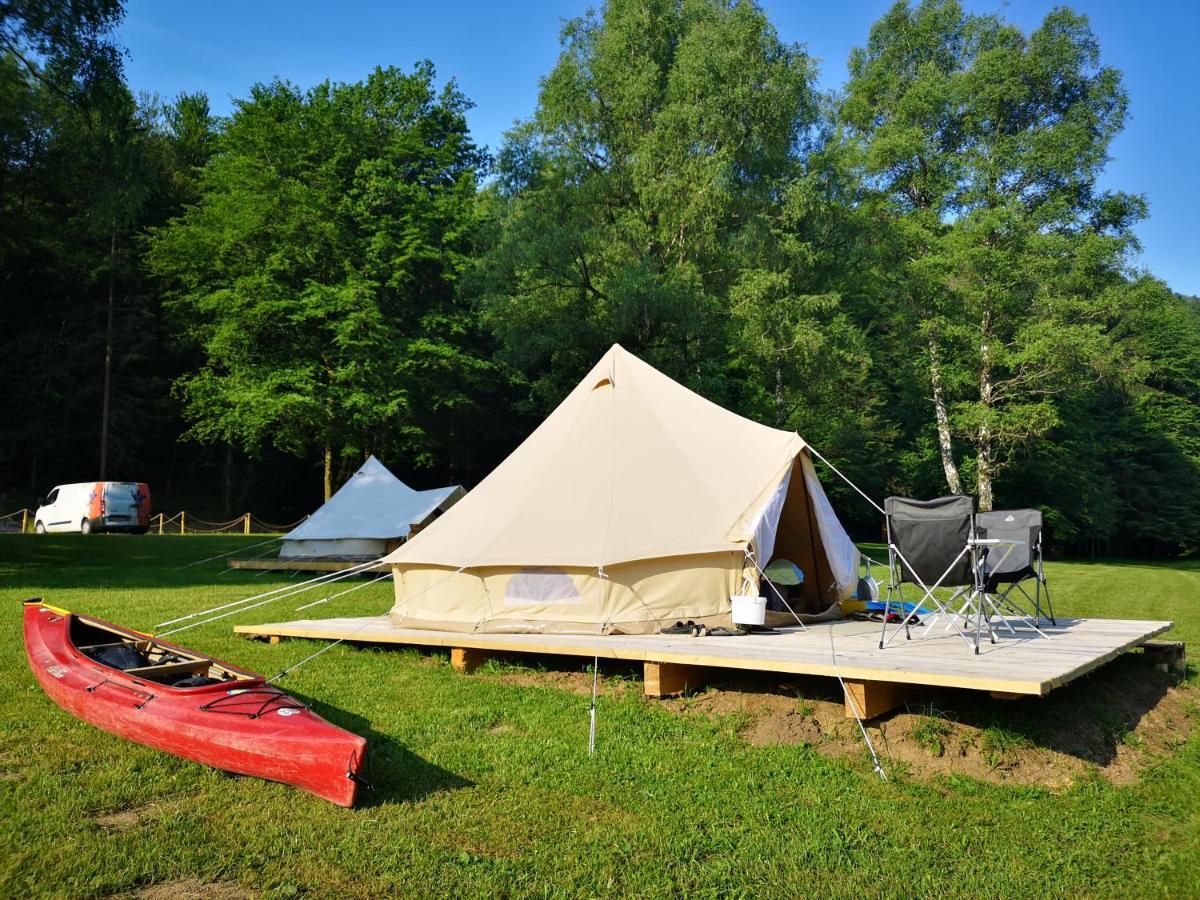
{"x":637,"y":503}
{"x":368,"y":516}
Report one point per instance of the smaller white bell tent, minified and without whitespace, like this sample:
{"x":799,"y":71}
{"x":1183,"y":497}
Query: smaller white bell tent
{"x":372,"y":513}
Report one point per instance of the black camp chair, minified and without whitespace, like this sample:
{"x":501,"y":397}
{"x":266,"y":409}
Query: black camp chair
{"x":1023,"y":563}
{"x":931,"y":543}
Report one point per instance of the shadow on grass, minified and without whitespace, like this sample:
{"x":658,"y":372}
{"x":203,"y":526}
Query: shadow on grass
{"x":1088,"y":719}
{"x":396,"y":774}
{"x":76,"y":562}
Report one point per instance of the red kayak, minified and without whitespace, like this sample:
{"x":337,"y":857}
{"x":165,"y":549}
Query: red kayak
{"x":188,"y":704}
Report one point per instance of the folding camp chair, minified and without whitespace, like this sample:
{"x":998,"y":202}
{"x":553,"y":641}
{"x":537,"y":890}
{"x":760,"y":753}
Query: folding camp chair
{"x":1022,"y":564}
{"x":931,"y":545}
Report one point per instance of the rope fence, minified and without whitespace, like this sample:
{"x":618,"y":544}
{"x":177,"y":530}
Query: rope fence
{"x":247,"y":523}
{"x":22,"y":522}
{"x":17,"y":522}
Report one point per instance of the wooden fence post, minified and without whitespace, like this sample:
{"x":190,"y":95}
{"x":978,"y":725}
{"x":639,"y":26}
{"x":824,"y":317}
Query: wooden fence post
{"x":247,"y":518}
{"x":24,"y":520}
{"x":160,"y":523}
{"x":183,"y":522}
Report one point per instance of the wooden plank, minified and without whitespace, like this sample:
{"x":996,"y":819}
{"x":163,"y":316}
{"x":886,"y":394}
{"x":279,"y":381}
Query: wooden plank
{"x":302,"y":565}
{"x":873,"y":698}
{"x":189,"y":665}
{"x":467,"y":659}
{"x":1028,"y":665}
{"x":670,"y":679}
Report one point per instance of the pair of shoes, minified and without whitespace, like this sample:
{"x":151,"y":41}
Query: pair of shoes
{"x":688,"y":627}
{"x":724,"y":632}
{"x":700,"y":631}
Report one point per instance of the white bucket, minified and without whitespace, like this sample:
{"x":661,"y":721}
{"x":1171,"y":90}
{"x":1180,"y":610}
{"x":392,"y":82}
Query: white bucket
{"x":748,"y":610}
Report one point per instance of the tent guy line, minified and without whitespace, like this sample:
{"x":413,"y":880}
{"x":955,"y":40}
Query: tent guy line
{"x":293,"y":589}
{"x":229,"y":553}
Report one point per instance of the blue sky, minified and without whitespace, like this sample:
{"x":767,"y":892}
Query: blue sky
{"x":498,"y":51}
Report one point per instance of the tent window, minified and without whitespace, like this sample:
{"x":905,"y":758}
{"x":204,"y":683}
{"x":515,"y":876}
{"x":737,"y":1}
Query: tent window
{"x":540,"y":585}
{"x":603,"y":382}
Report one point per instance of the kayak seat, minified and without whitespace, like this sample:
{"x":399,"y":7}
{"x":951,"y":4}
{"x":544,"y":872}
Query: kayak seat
{"x":195,"y":681}
{"x":163,"y":671}
{"x":122,"y":656}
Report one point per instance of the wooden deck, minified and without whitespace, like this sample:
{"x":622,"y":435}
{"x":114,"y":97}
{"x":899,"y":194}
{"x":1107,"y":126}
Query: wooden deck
{"x":1025,"y":665}
{"x":278,"y":564}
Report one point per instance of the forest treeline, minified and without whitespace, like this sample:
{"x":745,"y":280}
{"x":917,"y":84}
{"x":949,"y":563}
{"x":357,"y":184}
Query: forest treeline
{"x":919,"y":272}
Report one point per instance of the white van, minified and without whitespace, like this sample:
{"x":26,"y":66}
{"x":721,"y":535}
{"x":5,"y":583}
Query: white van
{"x":95,"y":506}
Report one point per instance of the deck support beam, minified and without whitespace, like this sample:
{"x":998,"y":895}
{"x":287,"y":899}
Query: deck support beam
{"x":466,"y":659}
{"x":1005,"y":695}
{"x":874,"y":698}
{"x":671,"y":679}
{"x":1167,"y":656}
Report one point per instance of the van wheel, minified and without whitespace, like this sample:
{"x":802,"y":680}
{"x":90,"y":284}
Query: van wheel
{"x":85,"y":527}
{"x":39,"y":528}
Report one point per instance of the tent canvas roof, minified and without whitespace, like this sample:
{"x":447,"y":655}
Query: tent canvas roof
{"x":630,"y":466}
{"x":373,"y":503}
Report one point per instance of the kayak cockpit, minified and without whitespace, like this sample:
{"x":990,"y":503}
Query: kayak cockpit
{"x":144,"y":658}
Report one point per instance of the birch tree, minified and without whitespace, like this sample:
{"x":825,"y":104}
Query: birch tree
{"x":984,"y":146}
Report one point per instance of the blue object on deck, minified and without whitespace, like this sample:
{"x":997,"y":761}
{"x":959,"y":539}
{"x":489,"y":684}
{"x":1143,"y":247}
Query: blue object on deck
{"x":877,"y":606}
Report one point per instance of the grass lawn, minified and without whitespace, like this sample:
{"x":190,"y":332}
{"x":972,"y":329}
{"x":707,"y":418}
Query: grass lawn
{"x":485,"y":786}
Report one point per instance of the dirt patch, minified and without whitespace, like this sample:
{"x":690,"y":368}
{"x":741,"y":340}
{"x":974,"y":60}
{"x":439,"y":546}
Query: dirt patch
{"x":190,"y":889}
{"x":1115,"y":722}
{"x":565,"y":674}
{"x":574,"y":682}
{"x":124,"y":819}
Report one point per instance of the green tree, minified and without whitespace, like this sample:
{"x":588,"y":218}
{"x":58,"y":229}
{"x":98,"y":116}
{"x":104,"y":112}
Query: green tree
{"x":317,"y":270}
{"x":984,"y":145}
{"x":67,"y":47}
{"x":624,"y":205}
{"x":81,"y":339}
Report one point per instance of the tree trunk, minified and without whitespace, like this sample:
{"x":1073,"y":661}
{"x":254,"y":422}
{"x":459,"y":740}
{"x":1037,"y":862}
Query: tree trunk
{"x":985,"y":457}
{"x":108,"y":353}
{"x":328,"y":472}
{"x":779,"y":393}
{"x":227,"y":485}
{"x":943,"y":421}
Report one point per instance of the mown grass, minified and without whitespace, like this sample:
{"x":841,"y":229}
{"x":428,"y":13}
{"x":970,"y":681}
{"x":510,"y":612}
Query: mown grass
{"x":485,"y":786}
